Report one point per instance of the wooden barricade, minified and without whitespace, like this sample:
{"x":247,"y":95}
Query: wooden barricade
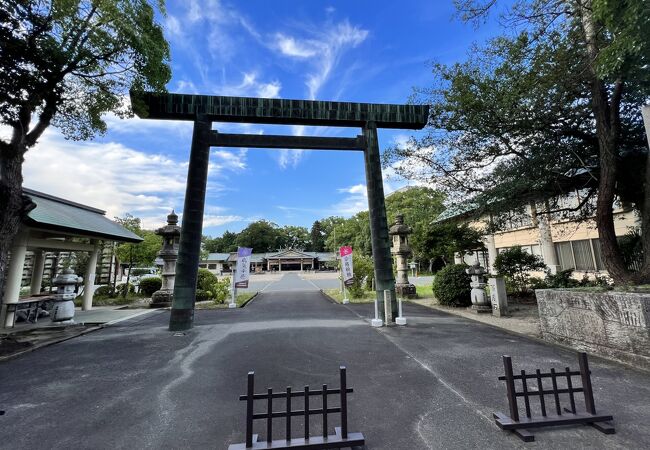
{"x":341,"y":438}
{"x":561,"y":416}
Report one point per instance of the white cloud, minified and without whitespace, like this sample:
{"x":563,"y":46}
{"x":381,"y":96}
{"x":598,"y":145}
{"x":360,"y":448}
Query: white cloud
{"x":356,"y":189}
{"x":289,"y":46}
{"x":210,"y":220}
{"x":324,"y":50}
{"x":250,"y":86}
{"x":118,"y":179}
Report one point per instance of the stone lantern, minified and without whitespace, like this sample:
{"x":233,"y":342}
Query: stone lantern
{"x":171,"y":234}
{"x":66,"y":290}
{"x":401,"y":250}
{"x":480,"y":302}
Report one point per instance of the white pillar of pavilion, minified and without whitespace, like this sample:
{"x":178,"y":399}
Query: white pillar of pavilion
{"x":14,"y":276}
{"x":301,"y":266}
{"x":38,"y":267}
{"x":89,"y":279}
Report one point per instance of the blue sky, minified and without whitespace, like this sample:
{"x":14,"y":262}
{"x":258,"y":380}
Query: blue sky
{"x":366,"y":51}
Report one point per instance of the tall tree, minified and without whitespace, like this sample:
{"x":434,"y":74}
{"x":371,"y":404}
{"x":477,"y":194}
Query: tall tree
{"x":66,"y":63}
{"x":295,"y":237}
{"x":548,"y":111}
{"x":262,"y":236}
{"x":225,"y":243}
{"x":142,"y":253}
{"x":317,"y":237}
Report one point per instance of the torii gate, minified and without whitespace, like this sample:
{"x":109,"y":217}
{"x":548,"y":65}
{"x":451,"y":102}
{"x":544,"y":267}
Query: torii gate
{"x":205,"y":109}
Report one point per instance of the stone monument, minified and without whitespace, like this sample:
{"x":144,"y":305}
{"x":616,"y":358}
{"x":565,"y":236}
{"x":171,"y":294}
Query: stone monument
{"x":480,"y":302}
{"x":498,"y":297}
{"x":66,"y":291}
{"x":401,"y":250}
{"x":171,"y":234}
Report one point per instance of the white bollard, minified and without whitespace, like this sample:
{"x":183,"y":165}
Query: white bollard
{"x":345,"y":296}
{"x":233,"y":293}
{"x":376,"y":322}
{"x":388,"y":311}
{"x":400,"y":320}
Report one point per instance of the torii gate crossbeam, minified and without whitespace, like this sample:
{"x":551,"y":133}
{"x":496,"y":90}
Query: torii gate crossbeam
{"x":203,"y":110}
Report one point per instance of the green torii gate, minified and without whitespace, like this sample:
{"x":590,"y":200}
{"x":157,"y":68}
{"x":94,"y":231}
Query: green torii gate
{"x":205,"y":109}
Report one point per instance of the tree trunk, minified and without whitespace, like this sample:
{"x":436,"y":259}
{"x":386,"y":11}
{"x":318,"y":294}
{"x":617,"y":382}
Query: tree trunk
{"x":607,"y":117}
{"x":13,"y":205}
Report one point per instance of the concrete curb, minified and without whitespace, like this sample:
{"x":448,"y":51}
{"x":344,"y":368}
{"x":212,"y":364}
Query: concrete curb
{"x":250,"y":299}
{"x":51,"y":342}
{"x":87,"y":330}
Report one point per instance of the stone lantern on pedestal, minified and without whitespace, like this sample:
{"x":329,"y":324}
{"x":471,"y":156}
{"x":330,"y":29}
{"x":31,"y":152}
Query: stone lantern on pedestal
{"x":66,"y":291}
{"x":171,"y":234}
{"x":401,"y":250}
{"x":480,"y":302}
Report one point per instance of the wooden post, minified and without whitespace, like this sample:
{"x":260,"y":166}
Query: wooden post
{"x":249,"y":409}
{"x":585,"y":374}
{"x":510,"y":388}
{"x":288,"y":421}
{"x":344,"y":404}
{"x":306,"y":413}
{"x":269,"y":419}
{"x":324,"y":410}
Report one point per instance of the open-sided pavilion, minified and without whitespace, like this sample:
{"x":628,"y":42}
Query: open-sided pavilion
{"x":56,"y":224}
{"x":203,"y":110}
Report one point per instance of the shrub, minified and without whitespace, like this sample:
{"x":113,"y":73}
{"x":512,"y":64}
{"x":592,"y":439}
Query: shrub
{"x":219,"y":290}
{"x":514,"y":263}
{"x":562,"y":279}
{"x":201,"y":295}
{"x":150,"y":285}
{"x":119,"y":289}
{"x":451,"y":286}
{"x":205,"y":279}
{"x":104,"y":291}
{"x":363,"y":273}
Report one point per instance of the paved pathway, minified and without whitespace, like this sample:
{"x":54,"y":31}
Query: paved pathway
{"x":430,"y":385}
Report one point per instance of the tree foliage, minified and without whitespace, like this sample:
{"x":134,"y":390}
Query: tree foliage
{"x":515,"y":263}
{"x":262,"y":236}
{"x":547,"y":109}
{"x":451,"y":286}
{"x":317,"y":237}
{"x":67,"y":63}
{"x":142,"y":253}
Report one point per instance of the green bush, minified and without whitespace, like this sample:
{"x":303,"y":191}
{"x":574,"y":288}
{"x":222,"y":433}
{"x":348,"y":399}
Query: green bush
{"x":104,"y":291}
{"x":150,"y":285}
{"x":363,"y":273}
{"x":515,"y":263}
{"x":451,"y":286}
{"x":205,"y":279}
{"x":562,"y":279}
{"x":201,"y":295}
{"x":119,"y":289}
{"x":219,"y":290}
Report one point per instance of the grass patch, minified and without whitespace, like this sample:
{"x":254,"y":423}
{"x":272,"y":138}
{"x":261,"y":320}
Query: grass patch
{"x":111,"y":301}
{"x":239,"y":301}
{"x":368,"y":296}
{"x":425,"y":291}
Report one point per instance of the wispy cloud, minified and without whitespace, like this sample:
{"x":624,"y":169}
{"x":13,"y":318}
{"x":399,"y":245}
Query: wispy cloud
{"x":323,"y":49}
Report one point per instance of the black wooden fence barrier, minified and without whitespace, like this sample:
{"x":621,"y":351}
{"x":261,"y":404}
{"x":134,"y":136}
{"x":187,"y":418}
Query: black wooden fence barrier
{"x":341,"y":438}
{"x":562,"y":416}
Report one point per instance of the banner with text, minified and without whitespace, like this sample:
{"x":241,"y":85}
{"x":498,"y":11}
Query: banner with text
{"x":243,"y":270}
{"x":346,"y":265}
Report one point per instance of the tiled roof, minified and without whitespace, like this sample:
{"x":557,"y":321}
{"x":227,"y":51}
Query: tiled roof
{"x":57,"y":214}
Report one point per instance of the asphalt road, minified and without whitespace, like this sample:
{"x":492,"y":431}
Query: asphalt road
{"x":430,"y":385}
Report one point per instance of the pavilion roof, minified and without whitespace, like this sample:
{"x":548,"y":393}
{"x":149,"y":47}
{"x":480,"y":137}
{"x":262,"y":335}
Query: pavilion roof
{"x":58,"y":214}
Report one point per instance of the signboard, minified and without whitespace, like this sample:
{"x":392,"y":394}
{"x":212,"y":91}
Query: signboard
{"x":242,"y":272}
{"x":346,"y":265}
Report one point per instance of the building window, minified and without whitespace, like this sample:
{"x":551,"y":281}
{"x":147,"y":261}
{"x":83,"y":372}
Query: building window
{"x":565,"y":255}
{"x":579,"y":255}
{"x":202,"y":266}
{"x":212,"y":266}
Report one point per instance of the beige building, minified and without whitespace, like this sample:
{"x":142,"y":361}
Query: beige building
{"x":564,"y":243}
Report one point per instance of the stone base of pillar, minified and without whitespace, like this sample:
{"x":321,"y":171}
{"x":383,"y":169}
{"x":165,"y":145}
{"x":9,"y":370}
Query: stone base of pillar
{"x":400,"y":320}
{"x":482,"y":309}
{"x":162,"y":299}
{"x":376,"y":322}
{"x":405,"y":290}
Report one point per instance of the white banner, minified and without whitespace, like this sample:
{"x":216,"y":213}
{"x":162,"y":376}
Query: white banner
{"x":346,"y":265}
{"x":243,"y":270}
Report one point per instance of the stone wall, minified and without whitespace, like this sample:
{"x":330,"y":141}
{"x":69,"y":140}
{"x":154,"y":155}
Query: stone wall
{"x":612,"y":324}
